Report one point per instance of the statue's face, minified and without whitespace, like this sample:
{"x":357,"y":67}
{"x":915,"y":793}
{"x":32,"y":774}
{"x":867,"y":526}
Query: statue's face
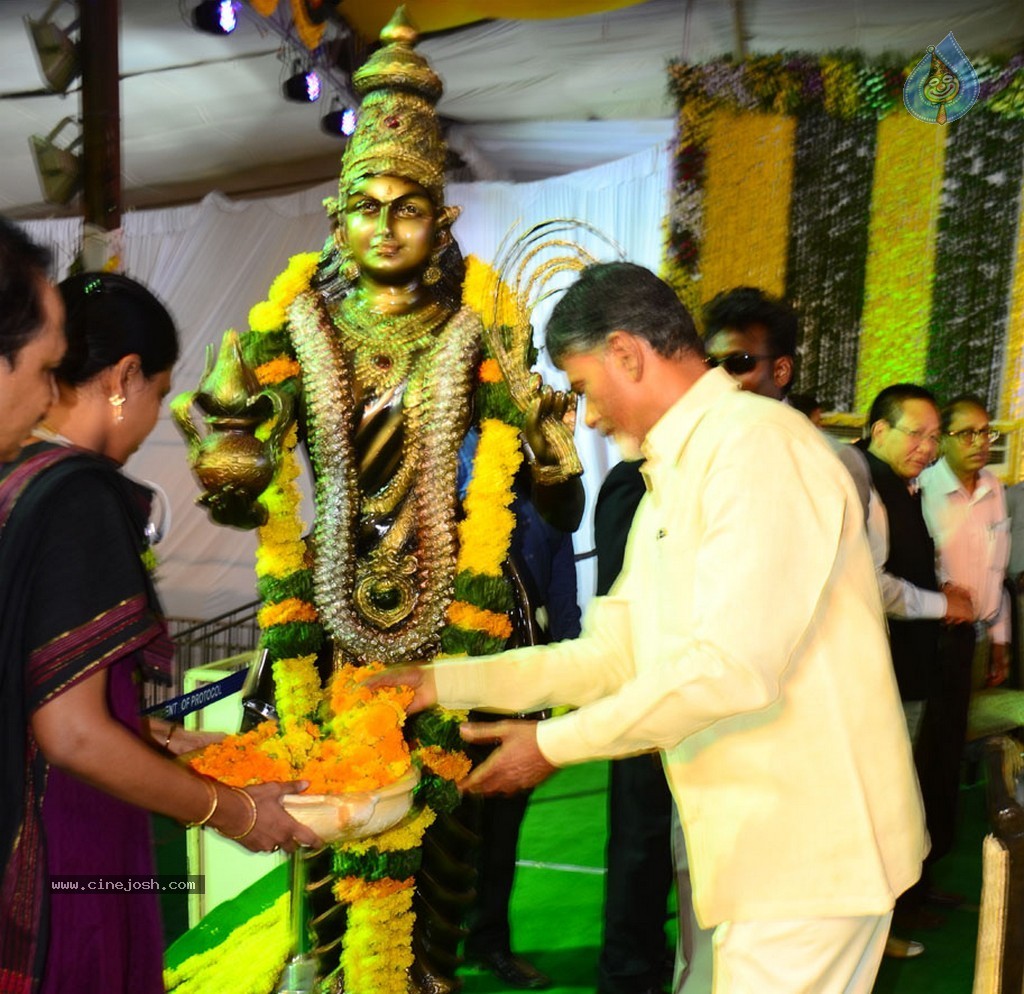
{"x":390,"y":226}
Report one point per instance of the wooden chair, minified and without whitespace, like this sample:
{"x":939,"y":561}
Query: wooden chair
{"x":999,"y":964}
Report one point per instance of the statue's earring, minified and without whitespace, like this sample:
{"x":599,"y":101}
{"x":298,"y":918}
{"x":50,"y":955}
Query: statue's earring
{"x":348,"y":266}
{"x":117,"y":403}
{"x":433,"y":272}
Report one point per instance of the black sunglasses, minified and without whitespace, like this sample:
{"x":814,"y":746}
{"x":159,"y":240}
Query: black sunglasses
{"x":736,"y":363}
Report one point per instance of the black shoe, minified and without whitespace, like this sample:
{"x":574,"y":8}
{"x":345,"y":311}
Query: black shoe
{"x":513,"y":970}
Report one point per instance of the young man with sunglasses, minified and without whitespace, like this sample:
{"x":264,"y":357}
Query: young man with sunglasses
{"x":752,"y":336}
{"x":772,"y":703}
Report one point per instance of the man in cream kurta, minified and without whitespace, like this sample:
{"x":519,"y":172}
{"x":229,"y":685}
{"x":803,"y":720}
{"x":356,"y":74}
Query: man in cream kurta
{"x":744,"y":639}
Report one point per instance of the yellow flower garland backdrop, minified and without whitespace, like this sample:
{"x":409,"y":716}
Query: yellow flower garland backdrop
{"x":906,"y":273}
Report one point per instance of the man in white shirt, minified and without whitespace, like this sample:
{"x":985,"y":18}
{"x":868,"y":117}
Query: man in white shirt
{"x":965,"y":511}
{"x":744,"y":639}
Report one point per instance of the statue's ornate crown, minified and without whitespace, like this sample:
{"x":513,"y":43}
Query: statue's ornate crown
{"x":398,"y":132}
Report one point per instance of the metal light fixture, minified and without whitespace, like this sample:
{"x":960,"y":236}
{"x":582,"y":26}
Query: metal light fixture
{"x":55,"y":50}
{"x":60,"y":169}
{"x":339,"y":122}
{"x":303,"y":87}
{"x":216,"y":17}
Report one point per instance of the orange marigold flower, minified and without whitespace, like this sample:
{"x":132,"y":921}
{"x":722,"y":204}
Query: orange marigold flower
{"x":277,"y":370}
{"x":490,"y":371}
{"x":479,"y":619}
{"x":450,"y":765}
{"x":349,"y":890}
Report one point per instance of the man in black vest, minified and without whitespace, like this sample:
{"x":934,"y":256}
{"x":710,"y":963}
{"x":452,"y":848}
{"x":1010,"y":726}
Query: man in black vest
{"x":904,"y":425}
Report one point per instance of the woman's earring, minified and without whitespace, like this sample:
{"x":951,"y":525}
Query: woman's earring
{"x":117,"y":403}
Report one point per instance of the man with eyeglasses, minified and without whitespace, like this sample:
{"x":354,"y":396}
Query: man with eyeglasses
{"x":965,"y":509}
{"x":905,"y":433}
{"x":752,"y":336}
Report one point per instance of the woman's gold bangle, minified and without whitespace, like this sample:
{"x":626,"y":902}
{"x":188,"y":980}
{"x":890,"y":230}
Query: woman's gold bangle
{"x":253,"y":810}
{"x":214,"y":800}
{"x":170,"y":732}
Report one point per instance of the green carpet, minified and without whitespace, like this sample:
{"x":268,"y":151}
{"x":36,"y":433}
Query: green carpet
{"x":556,"y":905}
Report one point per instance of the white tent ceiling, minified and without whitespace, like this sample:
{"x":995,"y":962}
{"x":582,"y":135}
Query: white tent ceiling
{"x":529,"y":98}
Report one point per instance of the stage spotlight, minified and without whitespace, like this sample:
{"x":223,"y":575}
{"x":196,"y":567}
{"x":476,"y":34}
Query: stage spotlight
{"x":217,"y":17}
{"x":340,"y":122}
{"x":303,"y":87}
{"x":56,"y":52}
{"x":60,"y":169}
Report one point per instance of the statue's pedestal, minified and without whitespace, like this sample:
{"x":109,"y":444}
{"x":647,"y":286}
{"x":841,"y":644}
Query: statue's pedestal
{"x":226,"y":867}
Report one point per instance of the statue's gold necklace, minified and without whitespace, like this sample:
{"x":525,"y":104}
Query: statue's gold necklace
{"x":384,"y":346}
{"x":389,"y":603}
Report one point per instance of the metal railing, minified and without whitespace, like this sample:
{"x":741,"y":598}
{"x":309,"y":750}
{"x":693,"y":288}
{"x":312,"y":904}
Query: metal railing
{"x":199,"y":642}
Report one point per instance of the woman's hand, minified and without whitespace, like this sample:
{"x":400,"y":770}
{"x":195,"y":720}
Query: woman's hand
{"x":273,"y":828}
{"x":177,"y":739}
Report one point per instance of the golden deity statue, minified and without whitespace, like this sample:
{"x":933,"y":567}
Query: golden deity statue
{"x":384,"y":374}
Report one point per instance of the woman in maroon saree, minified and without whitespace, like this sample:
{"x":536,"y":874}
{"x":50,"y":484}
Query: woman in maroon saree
{"x":79,"y":622}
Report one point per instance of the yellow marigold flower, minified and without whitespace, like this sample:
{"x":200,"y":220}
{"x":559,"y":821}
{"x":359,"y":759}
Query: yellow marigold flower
{"x":485,"y":532}
{"x":297,"y":688}
{"x":278,"y":563}
{"x":253,"y":951}
{"x":405,"y":835}
{"x":484,"y":541}
{"x":266,"y":316}
{"x":295,"y":278}
{"x":488,"y":296}
{"x":377,"y":946}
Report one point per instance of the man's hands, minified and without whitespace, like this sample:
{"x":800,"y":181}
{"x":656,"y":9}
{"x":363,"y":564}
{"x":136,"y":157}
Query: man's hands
{"x":515,"y":765}
{"x":419,"y":677}
{"x":959,"y":609}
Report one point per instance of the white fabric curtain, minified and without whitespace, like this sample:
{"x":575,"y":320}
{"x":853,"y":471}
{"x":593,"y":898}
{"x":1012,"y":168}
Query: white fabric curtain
{"x":210,"y":262}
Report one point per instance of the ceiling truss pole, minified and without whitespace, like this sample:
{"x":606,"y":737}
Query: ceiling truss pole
{"x":101,"y":112}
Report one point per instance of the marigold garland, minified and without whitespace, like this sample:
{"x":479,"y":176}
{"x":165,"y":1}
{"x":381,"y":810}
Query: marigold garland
{"x":479,"y":619}
{"x":486,"y":531}
{"x":454,"y":766}
{"x":407,"y":834}
{"x":349,"y":890}
{"x":277,"y":370}
{"x":249,"y":962}
{"x":360,"y":749}
{"x":289,"y":609}
{"x":377,"y":948}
